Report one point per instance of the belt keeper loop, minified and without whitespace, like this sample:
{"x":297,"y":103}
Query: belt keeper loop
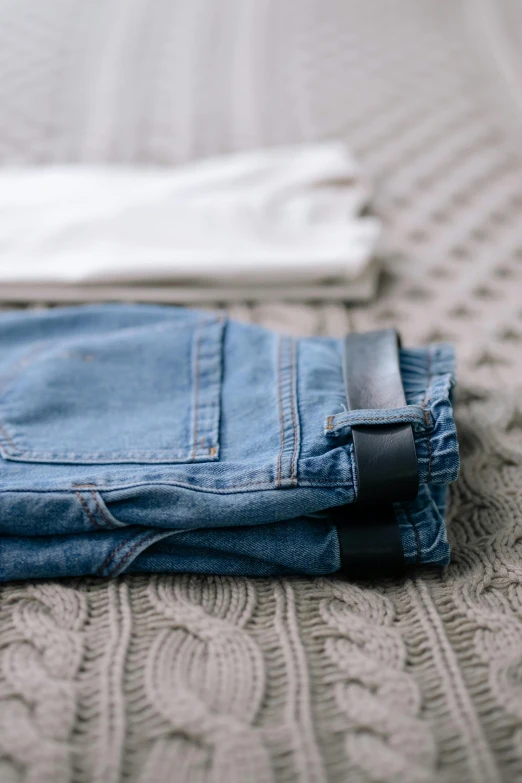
{"x":385,"y":456}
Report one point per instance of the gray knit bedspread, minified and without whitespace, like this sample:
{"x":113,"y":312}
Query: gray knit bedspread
{"x":202,"y":680}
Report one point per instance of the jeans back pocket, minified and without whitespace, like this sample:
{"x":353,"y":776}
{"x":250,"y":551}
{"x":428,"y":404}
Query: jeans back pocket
{"x":146,"y":394}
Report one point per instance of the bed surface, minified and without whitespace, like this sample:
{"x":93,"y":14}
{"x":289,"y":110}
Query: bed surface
{"x":209,"y":679}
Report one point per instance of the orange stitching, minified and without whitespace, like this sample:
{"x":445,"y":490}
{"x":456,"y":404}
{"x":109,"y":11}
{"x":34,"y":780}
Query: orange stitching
{"x":101,"y":512}
{"x":131,"y":551}
{"x":330,"y":423}
{"x":212,"y":452}
{"x":294,"y":417}
{"x":196,"y":398}
{"x":8,"y":439}
{"x":96,"y":503}
{"x":114,"y":552}
{"x":88,"y":512}
{"x":281,"y":417}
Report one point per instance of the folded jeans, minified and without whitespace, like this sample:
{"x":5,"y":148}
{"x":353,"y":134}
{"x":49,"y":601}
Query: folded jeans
{"x":143,"y":438}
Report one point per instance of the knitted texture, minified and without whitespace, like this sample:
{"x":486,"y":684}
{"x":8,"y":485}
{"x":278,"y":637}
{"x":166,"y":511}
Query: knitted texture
{"x":162,"y":678}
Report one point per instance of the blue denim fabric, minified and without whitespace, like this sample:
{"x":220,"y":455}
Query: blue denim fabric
{"x":142,"y":438}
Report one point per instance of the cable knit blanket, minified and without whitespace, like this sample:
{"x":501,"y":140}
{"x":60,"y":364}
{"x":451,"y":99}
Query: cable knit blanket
{"x":214,"y":679}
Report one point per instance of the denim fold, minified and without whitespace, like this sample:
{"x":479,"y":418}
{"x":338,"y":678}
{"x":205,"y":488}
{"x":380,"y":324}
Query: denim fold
{"x":138,"y":438}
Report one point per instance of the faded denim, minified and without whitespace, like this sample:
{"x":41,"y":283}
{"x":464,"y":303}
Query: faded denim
{"x":144,"y":438}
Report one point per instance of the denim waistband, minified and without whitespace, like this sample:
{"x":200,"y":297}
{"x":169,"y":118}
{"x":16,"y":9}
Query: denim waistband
{"x":428,"y":376}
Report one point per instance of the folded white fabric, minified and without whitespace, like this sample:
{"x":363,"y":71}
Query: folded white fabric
{"x":287,"y":219}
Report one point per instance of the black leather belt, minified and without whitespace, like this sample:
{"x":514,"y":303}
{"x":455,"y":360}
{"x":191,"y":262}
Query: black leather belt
{"x":385,"y":457}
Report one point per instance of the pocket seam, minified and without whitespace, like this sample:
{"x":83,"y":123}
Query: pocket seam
{"x":204,"y":397}
{"x":288,"y":456}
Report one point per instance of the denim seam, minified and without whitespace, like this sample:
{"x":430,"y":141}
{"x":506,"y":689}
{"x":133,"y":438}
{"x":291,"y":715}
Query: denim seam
{"x":294,"y":416}
{"x":104,"y":522}
{"x":140,"y":542}
{"x":196,"y":393}
{"x":280,"y":400}
{"x":269,"y":486}
{"x":207,"y":402}
{"x":286,"y":462}
{"x":88,"y":512}
{"x":113,"y":458}
{"x":100,"y":511}
{"x":109,"y":557}
{"x":120,"y":546}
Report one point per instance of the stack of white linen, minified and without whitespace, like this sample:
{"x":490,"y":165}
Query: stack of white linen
{"x":283,"y":223}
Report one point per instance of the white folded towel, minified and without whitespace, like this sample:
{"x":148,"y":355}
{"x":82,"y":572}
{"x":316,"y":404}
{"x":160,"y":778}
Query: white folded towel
{"x":273,"y":220}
